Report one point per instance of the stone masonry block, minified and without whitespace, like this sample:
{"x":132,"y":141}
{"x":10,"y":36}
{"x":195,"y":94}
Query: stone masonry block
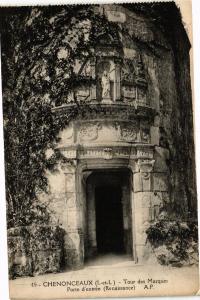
{"x":160,"y":182}
{"x":71,"y":200}
{"x":70,"y":182}
{"x":161,"y":157}
{"x":137,"y":182}
{"x":146,"y":181}
{"x":72,"y":219}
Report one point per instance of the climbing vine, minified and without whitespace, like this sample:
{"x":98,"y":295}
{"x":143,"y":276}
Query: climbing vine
{"x":39,"y":48}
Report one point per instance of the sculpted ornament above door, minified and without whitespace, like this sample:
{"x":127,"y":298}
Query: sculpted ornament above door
{"x":89,"y":132}
{"x":128,"y":133}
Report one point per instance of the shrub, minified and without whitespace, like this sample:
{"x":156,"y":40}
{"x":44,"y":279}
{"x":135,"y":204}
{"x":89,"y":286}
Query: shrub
{"x":34,"y":250}
{"x":174,"y":242}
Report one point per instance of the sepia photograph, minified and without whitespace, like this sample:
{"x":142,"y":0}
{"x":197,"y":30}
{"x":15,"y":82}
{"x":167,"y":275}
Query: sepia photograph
{"x":99,"y":150}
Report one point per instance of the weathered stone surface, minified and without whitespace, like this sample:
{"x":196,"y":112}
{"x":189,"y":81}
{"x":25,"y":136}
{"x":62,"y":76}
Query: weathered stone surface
{"x":137,"y":182}
{"x":161,"y":159}
{"x":72,"y":216}
{"x":155,"y":135}
{"x":160,"y":182}
{"x":70,"y":183}
{"x":56,"y":182}
{"x":74,"y":249}
{"x":71,"y":200}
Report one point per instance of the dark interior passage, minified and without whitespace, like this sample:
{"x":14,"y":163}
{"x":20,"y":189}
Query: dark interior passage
{"x":109,"y":219}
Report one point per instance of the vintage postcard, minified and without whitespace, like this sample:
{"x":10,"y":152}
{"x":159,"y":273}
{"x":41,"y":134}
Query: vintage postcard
{"x":99,"y":150}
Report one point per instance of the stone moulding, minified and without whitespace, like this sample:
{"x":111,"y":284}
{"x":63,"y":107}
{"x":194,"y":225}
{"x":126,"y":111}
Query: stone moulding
{"x":119,"y":150}
{"x":119,"y":108}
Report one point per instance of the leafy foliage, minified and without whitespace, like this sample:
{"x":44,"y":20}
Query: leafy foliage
{"x":35,"y":250}
{"x":39,"y":48}
{"x":174,"y":242}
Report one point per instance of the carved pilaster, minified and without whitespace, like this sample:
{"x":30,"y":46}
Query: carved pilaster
{"x":117,"y":85}
{"x":93,"y":88}
{"x":91,"y":217}
{"x":93,"y":92}
{"x":145,"y":165}
{"x":142,"y":177}
{"x":74,"y":237}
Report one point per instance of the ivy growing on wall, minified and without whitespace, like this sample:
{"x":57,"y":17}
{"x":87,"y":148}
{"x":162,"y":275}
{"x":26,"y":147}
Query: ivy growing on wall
{"x":39,"y":47}
{"x":174,"y":242}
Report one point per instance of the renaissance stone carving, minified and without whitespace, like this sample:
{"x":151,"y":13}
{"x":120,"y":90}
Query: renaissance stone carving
{"x":140,"y":72}
{"x":72,"y":153}
{"x":145,"y":135}
{"x":141,"y":96}
{"x":107,"y":153}
{"x":128,"y":71}
{"x":129,"y":93}
{"x":89,"y":132}
{"x":144,"y":153}
{"x":128,"y":133}
{"x":105,"y":82}
{"x":145,"y":165}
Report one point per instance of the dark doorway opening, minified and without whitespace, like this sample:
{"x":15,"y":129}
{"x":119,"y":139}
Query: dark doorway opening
{"x":109,"y":219}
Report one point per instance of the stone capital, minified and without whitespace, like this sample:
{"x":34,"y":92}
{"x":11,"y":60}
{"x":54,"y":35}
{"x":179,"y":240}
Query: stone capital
{"x":145,"y":165}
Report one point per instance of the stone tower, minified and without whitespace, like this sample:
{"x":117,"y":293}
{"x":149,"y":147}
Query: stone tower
{"x":130,"y":149}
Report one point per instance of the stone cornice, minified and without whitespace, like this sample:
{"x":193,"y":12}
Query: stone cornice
{"x":137,"y":151}
{"x":96,"y":109}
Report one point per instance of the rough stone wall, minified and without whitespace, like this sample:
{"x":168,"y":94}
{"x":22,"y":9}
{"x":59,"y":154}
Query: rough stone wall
{"x":184,"y":160}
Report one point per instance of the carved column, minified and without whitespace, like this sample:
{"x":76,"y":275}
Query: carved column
{"x":127,"y":217}
{"x":93,"y":89}
{"x":141,"y":204}
{"x":117,"y":83}
{"x":74,"y":245}
{"x":91,"y":221}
